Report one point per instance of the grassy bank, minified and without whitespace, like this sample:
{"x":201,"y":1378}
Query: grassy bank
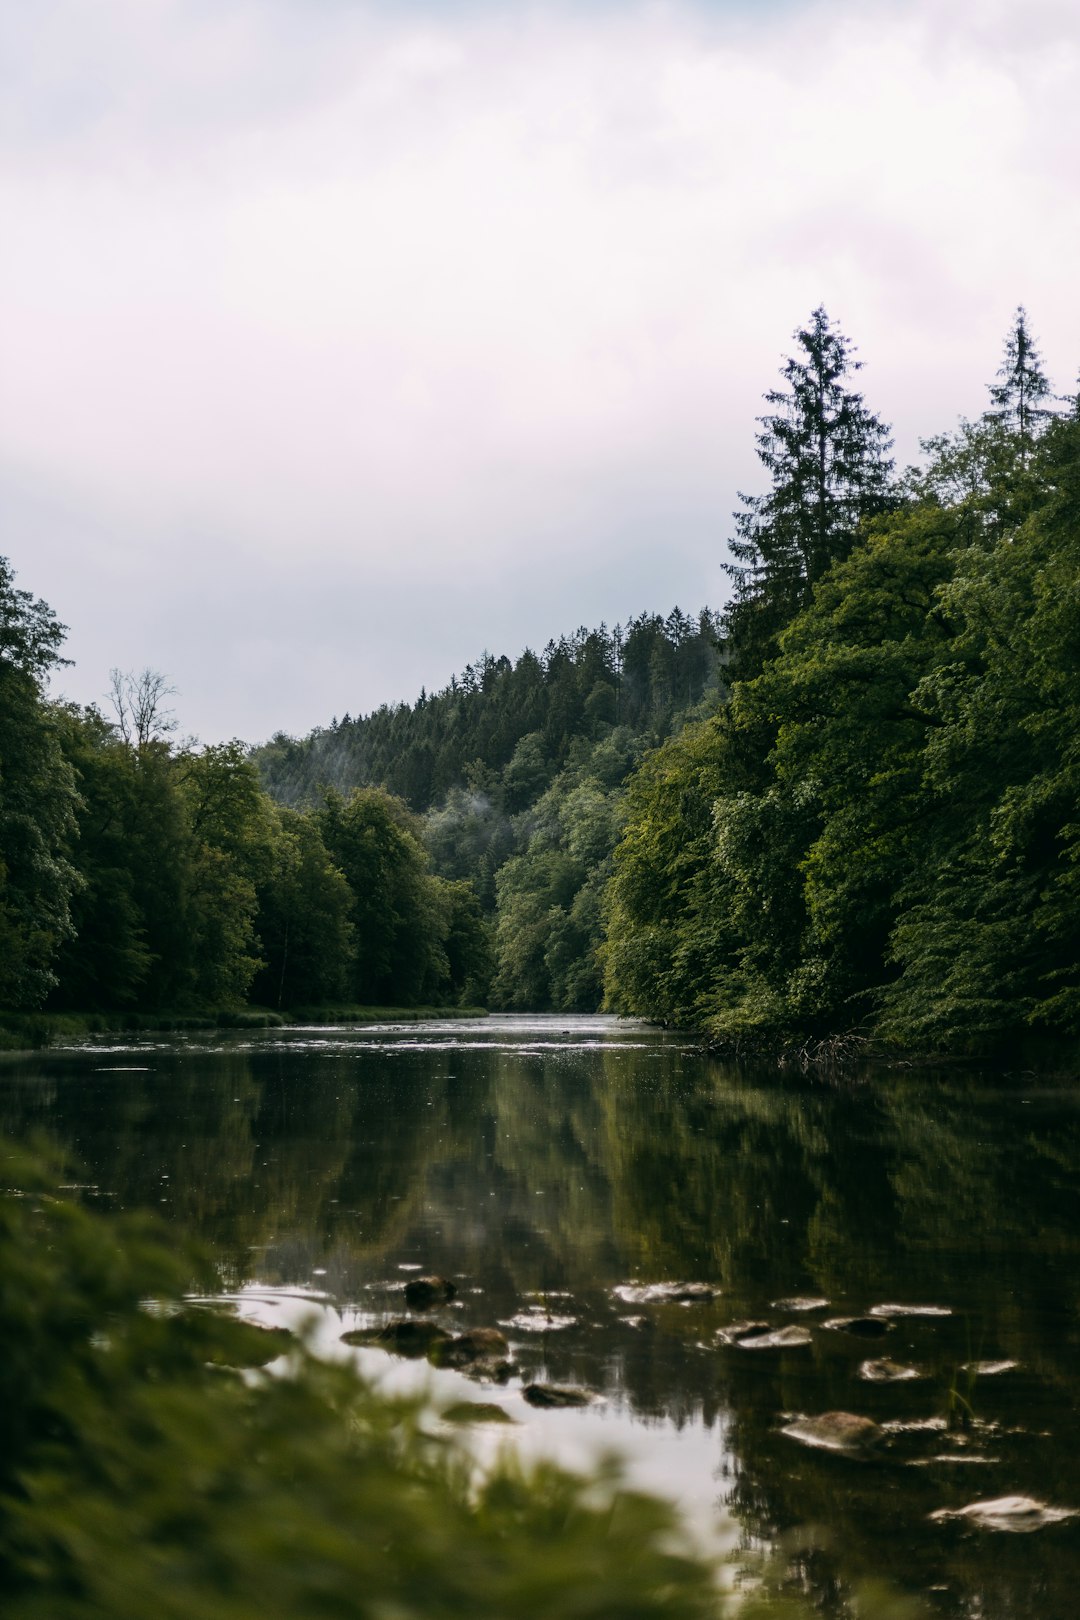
{"x":27,"y":1032}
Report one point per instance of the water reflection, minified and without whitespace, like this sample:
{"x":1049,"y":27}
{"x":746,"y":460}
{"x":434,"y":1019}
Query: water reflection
{"x":546,"y":1163}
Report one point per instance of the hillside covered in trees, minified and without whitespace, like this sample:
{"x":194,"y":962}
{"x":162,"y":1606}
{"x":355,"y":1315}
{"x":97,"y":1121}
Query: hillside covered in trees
{"x":141,"y":876}
{"x":878,"y":834}
{"x":846,"y":808}
{"x":517,"y":774}
{"x":144,"y":876}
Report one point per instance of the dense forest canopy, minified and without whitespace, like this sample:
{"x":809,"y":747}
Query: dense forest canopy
{"x":878,"y":834}
{"x":517,"y":771}
{"x":846,"y":807}
{"x":509,"y":727}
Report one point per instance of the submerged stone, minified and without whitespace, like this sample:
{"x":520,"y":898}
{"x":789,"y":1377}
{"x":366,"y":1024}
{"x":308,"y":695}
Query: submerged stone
{"x":558,"y":1395}
{"x":462,"y":1349}
{"x":785,"y":1338}
{"x":835,"y":1431}
{"x":800,"y":1302}
{"x":911,"y":1310}
{"x":424,"y":1293}
{"x":989,"y":1369}
{"x":735,"y":1332}
{"x":672,"y":1293}
{"x":1014,"y":1513}
{"x":863,"y":1327}
{"x":491,"y":1370}
{"x":887,"y":1372}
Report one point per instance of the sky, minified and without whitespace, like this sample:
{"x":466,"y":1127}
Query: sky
{"x":342,"y":342}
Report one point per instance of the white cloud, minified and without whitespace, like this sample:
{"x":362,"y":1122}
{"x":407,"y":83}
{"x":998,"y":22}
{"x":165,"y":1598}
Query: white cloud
{"x":340,"y":342}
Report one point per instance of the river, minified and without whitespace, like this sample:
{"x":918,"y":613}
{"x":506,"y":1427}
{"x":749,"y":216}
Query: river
{"x":557,"y":1168}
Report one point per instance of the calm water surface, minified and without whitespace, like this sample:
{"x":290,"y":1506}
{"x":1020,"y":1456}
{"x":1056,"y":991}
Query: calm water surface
{"x":547,"y":1163}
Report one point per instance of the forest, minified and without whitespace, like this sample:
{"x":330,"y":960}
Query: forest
{"x":844,"y":809}
{"x":877,"y":836}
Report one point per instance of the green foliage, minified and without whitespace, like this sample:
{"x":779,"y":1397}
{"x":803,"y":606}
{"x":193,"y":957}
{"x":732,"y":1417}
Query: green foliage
{"x":305,"y":930}
{"x":518,"y":770}
{"x":138,"y":1475}
{"x":467,"y":943}
{"x":192,"y":890}
{"x":826,"y":457}
{"x":398,"y":910}
{"x":994,"y":941}
{"x":877,"y":834}
{"x":37,"y":802}
{"x":549,"y":922}
{"x":658,"y":959}
{"x":880,"y":835}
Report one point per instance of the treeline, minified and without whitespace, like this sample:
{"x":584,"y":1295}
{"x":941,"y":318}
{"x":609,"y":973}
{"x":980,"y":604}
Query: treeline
{"x":519,"y":770}
{"x":137,"y":875}
{"x":846,"y":808}
{"x":879,"y":833}
{"x":142,"y":876}
{"x":508,"y":729}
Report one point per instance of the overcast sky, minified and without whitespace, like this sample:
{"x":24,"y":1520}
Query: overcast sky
{"x":340,"y":342}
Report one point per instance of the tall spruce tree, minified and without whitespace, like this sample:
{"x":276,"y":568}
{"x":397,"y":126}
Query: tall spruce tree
{"x":1021,"y":398}
{"x":827,"y":458}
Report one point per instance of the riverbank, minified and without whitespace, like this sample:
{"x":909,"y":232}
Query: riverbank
{"x":1022,"y":1050}
{"x":33,"y":1032}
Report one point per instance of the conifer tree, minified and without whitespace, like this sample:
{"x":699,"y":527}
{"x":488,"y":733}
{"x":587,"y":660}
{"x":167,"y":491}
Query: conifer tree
{"x":1021,"y":397}
{"x":827,"y":458}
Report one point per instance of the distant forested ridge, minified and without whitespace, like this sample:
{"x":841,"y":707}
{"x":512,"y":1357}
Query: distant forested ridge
{"x":508,"y":725}
{"x":142,"y":876}
{"x":517,"y":772}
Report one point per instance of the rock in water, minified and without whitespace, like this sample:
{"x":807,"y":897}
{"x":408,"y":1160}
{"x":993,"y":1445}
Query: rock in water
{"x":735,"y":1332}
{"x":424,"y":1293}
{"x":672,"y":1293}
{"x":405,"y":1337}
{"x":835,"y":1431}
{"x":491,"y":1369}
{"x":557,"y":1395}
{"x":479,"y":1344}
{"x":785,"y":1338}
{"x":863,"y":1327}
{"x":911,"y":1310}
{"x":800,"y":1302}
{"x":989,"y":1369}
{"x":1015,"y":1513}
{"x":887,"y":1372}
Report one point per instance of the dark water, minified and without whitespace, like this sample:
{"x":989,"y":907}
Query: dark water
{"x":546,"y":1163}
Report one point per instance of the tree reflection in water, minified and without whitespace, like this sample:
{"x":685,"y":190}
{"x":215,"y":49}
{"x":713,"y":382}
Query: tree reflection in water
{"x":544,"y":1171}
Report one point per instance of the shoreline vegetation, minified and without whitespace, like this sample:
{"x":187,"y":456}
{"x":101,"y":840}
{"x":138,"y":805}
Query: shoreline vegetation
{"x":29,"y":1032}
{"x":148,"y":1466}
{"x":838,"y":818}
{"x":22,"y":1034}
